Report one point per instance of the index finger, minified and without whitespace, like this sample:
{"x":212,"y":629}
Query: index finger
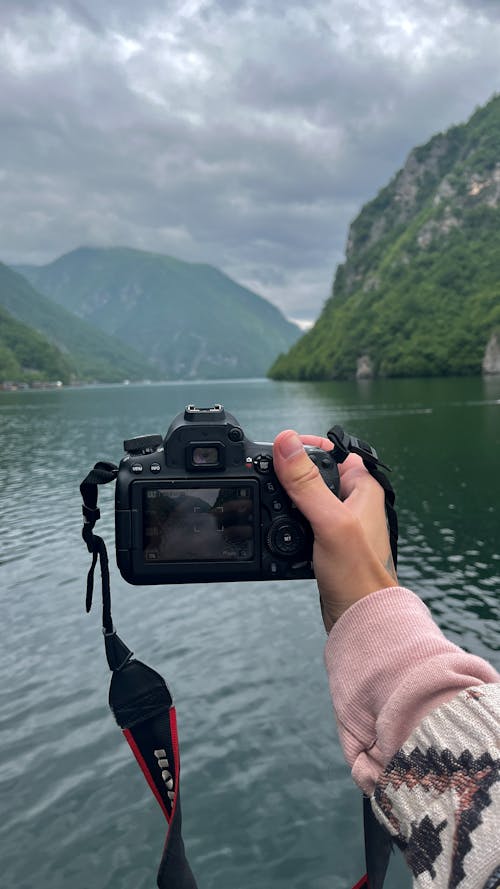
{"x":317,"y":441}
{"x":350,"y":470}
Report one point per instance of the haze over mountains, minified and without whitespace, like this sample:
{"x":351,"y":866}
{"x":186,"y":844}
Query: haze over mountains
{"x":419,"y":291}
{"x":121,"y":313}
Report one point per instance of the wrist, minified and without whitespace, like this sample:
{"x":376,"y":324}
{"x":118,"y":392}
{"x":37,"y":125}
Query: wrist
{"x":363,"y":578}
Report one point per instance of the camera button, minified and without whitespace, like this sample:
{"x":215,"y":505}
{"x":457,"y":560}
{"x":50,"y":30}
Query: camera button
{"x":277,"y":505}
{"x":285,"y":537}
{"x":262,"y":463}
{"x":155,"y":467}
{"x":271,"y":487}
{"x":136,"y":468}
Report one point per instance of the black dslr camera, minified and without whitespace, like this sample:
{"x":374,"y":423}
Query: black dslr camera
{"x":204,"y":504}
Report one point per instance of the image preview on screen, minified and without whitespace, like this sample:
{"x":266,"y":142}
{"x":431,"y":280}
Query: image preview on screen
{"x":199,"y":524}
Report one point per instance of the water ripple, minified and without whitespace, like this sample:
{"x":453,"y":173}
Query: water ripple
{"x":267,"y":798}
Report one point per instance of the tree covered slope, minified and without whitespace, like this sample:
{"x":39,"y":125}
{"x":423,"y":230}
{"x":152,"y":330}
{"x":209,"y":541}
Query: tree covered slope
{"x":88,"y":353}
{"x":419,"y":291}
{"x":26,"y":356}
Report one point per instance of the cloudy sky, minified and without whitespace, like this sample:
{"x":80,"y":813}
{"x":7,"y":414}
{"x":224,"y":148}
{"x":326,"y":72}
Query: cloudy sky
{"x":245,"y":133}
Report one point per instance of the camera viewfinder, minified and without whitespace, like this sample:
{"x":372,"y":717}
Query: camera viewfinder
{"x":205,"y":455}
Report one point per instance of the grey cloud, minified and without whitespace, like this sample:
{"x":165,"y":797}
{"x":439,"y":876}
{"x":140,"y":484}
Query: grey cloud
{"x":243,"y":134}
{"x":490,"y":8}
{"x":23,"y":10}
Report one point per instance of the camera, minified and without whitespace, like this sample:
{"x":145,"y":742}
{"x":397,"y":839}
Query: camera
{"x":204,"y":504}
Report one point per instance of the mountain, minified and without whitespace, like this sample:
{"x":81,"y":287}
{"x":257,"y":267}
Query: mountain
{"x":89,"y":354}
{"x":419,"y":291}
{"x":190,"y":319}
{"x":26,"y":356}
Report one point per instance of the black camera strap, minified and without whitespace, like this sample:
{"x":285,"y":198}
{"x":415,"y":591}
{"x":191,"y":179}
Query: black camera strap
{"x":346,"y":444}
{"x":143,"y":706}
{"x":140,"y":700}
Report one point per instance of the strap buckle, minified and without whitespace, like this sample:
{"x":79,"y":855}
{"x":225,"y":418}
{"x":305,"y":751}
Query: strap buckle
{"x":346,"y":444}
{"x":90,"y":515}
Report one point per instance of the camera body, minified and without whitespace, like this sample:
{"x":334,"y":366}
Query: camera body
{"x":204,"y":504}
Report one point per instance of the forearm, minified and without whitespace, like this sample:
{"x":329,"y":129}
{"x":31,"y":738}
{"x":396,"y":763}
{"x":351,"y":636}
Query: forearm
{"x":388,"y":666}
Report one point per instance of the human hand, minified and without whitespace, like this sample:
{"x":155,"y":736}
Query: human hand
{"x":351,"y":553}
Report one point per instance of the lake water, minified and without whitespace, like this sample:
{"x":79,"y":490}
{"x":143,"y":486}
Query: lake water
{"x":268,"y":802}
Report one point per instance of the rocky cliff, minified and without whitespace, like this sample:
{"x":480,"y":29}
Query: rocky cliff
{"x":419,"y":291}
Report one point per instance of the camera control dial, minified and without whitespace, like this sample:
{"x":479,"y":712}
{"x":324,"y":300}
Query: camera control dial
{"x":285,"y":537}
{"x":142,"y":444}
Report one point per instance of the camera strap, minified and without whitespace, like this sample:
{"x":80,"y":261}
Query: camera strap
{"x":143,"y":706}
{"x":140,"y":700}
{"x":346,"y":444}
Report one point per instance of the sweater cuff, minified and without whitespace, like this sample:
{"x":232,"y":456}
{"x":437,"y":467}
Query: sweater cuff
{"x":388,"y":665}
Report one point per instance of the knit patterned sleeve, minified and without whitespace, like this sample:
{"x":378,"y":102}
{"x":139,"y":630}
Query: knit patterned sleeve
{"x":419,"y":723}
{"x":439,"y":796}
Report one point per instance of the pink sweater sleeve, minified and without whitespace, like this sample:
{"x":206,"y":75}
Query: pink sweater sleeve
{"x":389,"y":665}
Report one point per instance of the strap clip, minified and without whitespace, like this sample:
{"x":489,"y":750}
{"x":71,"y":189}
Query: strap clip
{"x":90,"y":516}
{"x":346,"y":444}
{"x":117,"y":653}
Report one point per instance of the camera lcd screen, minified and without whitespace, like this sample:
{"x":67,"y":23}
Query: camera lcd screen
{"x":191,"y":524}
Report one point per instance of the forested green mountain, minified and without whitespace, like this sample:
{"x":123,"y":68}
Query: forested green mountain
{"x":419,"y":291}
{"x":88,"y":353}
{"x":26,"y":356}
{"x":190,"y":319}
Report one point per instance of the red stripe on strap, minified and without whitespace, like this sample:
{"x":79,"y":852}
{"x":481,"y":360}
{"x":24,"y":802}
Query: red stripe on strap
{"x":175,"y":748}
{"x":362,"y":883}
{"x":145,"y":771}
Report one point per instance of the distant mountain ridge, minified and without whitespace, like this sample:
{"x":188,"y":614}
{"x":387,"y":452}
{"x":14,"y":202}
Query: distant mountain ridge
{"x":84,"y":353}
{"x":419,"y":291}
{"x":189,"y":320}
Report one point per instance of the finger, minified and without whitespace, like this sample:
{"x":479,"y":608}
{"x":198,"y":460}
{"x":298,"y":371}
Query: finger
{"x":351,"y":471}
{"x":302,"y":480}
{"x":317,"y":441}
{"x":354,"y":474}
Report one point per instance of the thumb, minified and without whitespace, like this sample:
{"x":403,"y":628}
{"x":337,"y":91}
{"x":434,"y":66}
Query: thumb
{"x":303,"y":483}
